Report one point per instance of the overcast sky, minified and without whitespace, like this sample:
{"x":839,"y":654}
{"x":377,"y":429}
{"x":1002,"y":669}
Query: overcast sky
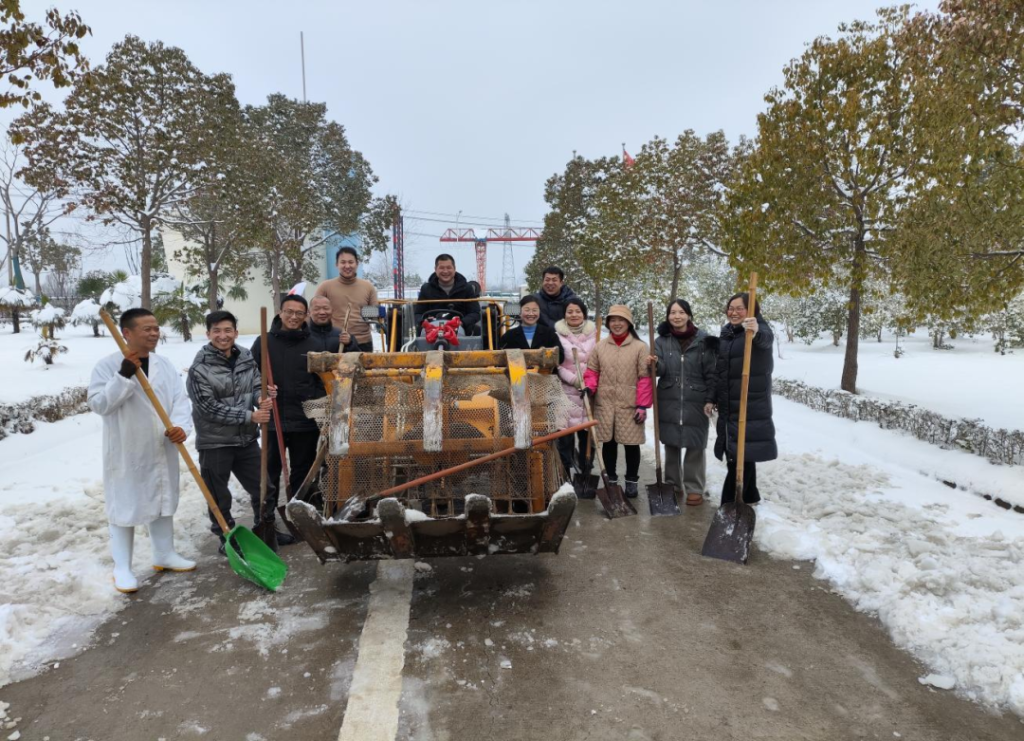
{"x":470,"y":105}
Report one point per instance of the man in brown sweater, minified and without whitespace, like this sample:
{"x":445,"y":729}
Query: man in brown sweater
{"x":348,"y":295}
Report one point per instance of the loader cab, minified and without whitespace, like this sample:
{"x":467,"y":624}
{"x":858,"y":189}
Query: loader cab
{"x":395,"y":322}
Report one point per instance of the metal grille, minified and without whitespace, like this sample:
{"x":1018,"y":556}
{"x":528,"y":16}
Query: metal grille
{"x":386,"y":439}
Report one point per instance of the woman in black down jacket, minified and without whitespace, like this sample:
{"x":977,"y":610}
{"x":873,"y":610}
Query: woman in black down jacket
{"x":760,"y":437}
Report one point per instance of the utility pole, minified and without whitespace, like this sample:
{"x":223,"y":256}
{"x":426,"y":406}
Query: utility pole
{"x":302,"y":51}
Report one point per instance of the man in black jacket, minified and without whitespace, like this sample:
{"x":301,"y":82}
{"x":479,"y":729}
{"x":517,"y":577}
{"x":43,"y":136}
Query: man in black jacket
{"x":224,"y":386}
{"x":325,"y":335}
{"x":288,"y":342}
{"x":444,"y":284}
{"x":553,"y":296}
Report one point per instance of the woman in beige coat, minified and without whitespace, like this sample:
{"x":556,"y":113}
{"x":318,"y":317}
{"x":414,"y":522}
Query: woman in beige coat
{"x":618,"y":379}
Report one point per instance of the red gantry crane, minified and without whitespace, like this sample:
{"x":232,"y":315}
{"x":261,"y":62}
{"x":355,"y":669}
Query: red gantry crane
{"x":480,"y":237}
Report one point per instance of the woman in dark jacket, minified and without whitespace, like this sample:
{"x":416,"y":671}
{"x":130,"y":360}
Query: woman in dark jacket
{"x":687,"y":389}
{"x":760,"y":437}
{"x":530,"y":335}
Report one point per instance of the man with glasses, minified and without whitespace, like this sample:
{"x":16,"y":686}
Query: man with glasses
{"x":224,"y":386}
{"x":288,"y":343}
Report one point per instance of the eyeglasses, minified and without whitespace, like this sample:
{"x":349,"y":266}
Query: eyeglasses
{"x":735,"y":309}
{"x":293,"y":313}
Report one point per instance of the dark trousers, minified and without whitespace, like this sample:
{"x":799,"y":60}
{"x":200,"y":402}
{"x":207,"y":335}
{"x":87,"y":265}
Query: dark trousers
{"x":301,"y":447}
{"x":216,"y":466}
{"x":567,"y":447}
{"x":365,"y":346}
{"x":610,"y":451}
{"x":750,"y":492}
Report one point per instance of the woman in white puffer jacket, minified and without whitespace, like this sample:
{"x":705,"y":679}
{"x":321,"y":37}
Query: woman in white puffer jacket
{"x":577,"y":332}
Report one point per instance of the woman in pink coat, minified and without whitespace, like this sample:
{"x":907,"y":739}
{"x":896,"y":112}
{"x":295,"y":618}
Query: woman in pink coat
{"x":577,"y":332}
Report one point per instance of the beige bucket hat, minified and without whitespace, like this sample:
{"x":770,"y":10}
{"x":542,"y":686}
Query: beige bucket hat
{"x":619,"y":310}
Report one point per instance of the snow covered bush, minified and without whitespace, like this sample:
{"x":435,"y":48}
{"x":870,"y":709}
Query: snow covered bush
{"x":826,"y":310}
{"x":48,"y":320}
{"x":1007,"y":325}
{"x":47,"y":350}
{"x":87,"y":312}
{"x":16,"y":300}
{"x":127,"y":294}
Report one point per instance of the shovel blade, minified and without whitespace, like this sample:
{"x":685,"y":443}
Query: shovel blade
{"x":615,"y":505}
{"x":585,"y":485}
{"x":283,"y":514}
{"x":252,"y":559}
{"x":731,"y":532}
{"x":662,"y":500}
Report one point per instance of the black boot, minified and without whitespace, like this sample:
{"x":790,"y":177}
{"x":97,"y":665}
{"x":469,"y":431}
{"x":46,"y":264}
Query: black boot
{"x":632,"y":488}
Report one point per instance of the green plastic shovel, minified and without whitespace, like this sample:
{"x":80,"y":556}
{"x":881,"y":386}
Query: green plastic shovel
{"x":249,"y":556}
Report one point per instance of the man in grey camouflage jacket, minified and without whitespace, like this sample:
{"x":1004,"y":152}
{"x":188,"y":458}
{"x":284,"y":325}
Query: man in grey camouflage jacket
{"x":224,"y":386}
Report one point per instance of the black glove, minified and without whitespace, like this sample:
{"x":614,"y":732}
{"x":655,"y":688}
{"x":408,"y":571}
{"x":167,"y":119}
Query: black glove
{"x":586,"y":391}
{"x":127,"y":369}
{"x":640,"y":415}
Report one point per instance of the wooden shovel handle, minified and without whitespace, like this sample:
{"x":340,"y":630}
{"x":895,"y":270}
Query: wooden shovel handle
{"x":116,"y":334}
{"x":748,"y":344}
{"x":654,"y":391}
{"x":265,"y":427}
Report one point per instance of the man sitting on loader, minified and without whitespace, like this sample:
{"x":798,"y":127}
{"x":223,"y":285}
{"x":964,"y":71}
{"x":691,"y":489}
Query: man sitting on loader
{"x":445,"y":284}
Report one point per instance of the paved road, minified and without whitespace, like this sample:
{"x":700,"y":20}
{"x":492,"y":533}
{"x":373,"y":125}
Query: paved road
{"x":628,"y":634}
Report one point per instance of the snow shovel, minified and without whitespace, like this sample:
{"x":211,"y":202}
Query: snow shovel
{"x":615,"y":505}
{"x":732,"y":527}
{"x":264,"y":529}
{"x":248,"y":556}
{"x":281,"y":511}
{"x":660,"y":496}
{"x":584,"y":483}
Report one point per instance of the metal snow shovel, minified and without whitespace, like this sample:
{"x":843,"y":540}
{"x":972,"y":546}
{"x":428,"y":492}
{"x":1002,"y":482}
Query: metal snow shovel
{"x":281,"y":511}
{"x":264,"y":529}
{"x":584,"y":483}
{"x":660,"y":496}
{"x":248,"y":556}
{"x":615,"y":505}
{"x":732,"y":528}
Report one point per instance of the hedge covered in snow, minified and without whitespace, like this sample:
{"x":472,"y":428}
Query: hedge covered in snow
{"x":21,"y":417}
{"x":970,"y":435}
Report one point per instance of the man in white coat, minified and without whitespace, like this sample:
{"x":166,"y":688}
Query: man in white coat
{"x":140,"y":460}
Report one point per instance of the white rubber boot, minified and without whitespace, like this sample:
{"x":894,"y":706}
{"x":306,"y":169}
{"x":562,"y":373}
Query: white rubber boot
{"x":122,"y":540}
{"x":161,"y":532}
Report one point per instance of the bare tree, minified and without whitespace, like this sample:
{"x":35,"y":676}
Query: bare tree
{"x":27,"y":210}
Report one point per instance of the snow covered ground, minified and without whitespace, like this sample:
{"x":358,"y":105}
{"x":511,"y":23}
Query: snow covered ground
{"x":970,"y":381}
{"x":942,"y":569}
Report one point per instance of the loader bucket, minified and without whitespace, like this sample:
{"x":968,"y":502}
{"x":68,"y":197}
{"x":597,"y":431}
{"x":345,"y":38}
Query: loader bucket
{"x":392,"y":418}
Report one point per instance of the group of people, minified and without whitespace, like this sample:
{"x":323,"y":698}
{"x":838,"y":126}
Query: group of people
{"x":696,"y":374}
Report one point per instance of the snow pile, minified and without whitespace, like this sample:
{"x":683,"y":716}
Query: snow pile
{"x":128,"y":293}
{"x":950,"y":594}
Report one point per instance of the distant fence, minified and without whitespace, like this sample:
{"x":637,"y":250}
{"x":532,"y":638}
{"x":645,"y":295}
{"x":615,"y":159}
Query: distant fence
{"x":969,"y":435}
{"x":22,"y":416}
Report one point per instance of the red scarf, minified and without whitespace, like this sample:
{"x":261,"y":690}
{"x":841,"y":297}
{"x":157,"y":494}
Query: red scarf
{"x":619,"y":338}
